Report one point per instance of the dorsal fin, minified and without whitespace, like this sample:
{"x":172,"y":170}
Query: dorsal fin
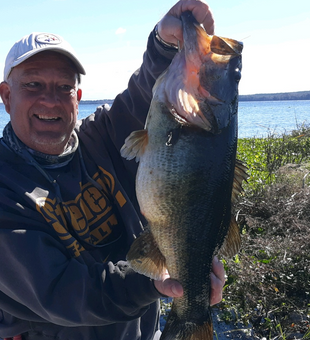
{"x":240,"y":176}
{"x":135,"y":145}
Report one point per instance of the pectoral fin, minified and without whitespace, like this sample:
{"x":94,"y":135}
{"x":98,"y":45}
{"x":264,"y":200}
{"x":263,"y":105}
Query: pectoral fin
{"x":145,"y":257}
{"x":135,"y":145}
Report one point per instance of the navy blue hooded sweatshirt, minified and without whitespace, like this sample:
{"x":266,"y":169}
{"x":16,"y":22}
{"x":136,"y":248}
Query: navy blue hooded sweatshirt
{"x":65,"y":231}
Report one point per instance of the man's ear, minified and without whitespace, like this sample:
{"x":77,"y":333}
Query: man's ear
{"x":5,"y":93}
{"x":79,"y":95}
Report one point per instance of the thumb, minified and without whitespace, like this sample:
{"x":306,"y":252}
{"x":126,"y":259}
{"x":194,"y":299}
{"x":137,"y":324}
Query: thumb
{"x":169,"y":287}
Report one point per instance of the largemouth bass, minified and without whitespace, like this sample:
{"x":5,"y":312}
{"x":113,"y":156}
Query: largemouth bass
{"x":188,"y":176}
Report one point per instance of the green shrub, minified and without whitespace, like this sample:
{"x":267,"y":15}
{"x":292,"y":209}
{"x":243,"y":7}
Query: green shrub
{"x":264,"y":156}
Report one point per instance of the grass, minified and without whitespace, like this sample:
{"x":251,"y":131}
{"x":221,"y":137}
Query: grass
{"x":264,"y":156}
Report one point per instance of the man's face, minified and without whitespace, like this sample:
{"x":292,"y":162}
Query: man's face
{"x":42,"y":99}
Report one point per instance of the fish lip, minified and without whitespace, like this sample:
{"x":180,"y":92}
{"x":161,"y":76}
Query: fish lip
{"x":232,"y":46}
{"x":180,"y":119}
{"x":214,"y":100}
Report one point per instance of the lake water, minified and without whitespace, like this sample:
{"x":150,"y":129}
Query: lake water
{"x":256,"y":119}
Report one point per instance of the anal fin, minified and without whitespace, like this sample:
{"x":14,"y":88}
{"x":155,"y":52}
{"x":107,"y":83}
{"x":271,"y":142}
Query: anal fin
{"x":232,"y":241}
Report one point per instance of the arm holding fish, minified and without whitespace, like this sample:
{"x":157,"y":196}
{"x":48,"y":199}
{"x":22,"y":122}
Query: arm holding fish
{"x":173,"y":288}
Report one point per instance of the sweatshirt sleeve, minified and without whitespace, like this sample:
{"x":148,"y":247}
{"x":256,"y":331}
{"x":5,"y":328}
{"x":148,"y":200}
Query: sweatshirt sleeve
{"x":39,"y":282}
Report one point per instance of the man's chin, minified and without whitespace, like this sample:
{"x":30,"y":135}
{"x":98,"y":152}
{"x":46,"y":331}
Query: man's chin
{"x":52,"y":145}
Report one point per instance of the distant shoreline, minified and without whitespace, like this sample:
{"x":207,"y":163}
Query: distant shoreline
{"x":302,"y":95}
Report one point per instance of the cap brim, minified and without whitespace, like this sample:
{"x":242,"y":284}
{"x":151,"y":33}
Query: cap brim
{"x":60,"y":50}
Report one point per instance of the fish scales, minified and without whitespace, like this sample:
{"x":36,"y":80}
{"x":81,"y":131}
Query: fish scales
{"x":186,"y":175}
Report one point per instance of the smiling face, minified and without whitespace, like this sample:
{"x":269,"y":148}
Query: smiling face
{"x":42,"y":98}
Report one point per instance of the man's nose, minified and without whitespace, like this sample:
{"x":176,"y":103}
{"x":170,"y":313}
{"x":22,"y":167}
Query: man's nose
{"x":49,"y":97}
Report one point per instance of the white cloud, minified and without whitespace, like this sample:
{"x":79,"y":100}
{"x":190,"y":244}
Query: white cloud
{"x":120,"y":30}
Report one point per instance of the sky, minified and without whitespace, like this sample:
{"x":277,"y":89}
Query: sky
{"x":110,"y":38}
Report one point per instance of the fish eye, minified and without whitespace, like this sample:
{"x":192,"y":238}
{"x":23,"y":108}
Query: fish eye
{"x":237,"y":74}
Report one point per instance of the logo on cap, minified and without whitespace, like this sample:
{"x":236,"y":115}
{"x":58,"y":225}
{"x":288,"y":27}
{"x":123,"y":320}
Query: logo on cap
{"x":47,"y":38}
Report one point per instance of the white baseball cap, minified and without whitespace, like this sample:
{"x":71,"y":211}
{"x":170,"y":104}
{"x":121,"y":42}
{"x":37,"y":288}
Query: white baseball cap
{"x":37,"y":42}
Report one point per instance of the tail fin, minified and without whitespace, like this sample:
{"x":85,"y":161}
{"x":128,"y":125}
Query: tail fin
{"x":178,"y":329}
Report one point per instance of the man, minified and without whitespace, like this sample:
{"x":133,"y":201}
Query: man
{"x":68,"y":211}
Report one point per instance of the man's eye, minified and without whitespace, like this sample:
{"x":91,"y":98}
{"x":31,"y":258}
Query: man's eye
{"x":33,"y":85}
{"x":66,"y":88}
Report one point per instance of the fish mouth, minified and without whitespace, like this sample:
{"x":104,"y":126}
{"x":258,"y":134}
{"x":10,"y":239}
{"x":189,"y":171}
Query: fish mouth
{"x":202,"y":93}
{"x":194,"y":116}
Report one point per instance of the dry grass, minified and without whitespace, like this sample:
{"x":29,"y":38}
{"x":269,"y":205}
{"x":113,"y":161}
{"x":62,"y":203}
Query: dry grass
{"x":269,"y":281}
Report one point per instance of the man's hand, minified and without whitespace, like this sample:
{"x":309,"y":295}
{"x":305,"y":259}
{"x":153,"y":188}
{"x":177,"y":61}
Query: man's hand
{"x":218,"y":279}
{"x":170,"y":26}
{"x":173,"y":288}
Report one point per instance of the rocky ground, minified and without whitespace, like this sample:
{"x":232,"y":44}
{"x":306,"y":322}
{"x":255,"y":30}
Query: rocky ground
{"x":230,"y":330}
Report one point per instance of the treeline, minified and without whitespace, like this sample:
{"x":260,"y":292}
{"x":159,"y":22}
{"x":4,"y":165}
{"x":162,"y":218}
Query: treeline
{"x":302,"y":95}
{"x":99,"y":102}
